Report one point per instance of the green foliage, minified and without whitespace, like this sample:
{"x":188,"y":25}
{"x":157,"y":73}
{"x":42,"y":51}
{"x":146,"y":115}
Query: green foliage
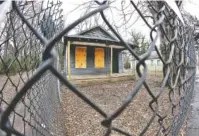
{"x":11,"y":65}
{"x":142,"y":48}
{"x":8,"y":65}
{"x":127,"y":65}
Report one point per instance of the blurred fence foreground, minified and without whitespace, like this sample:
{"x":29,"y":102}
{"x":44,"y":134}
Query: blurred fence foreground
{"x":30,"y":48}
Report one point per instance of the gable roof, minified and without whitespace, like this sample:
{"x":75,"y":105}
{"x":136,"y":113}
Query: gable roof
{"x":97,"y":31}
{"x":95,"y":34}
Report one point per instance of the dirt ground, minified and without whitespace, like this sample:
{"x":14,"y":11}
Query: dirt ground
{"x":9,"y":87}
{"x":82,"y":120}
{"x":36,"y":110}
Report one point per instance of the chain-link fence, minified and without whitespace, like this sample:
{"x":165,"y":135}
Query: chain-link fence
{"x":30,"y":49}
{"x":38,"y":108}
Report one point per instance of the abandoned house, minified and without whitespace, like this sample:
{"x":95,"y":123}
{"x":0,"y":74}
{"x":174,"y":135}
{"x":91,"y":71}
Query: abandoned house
{"x":93,"y":52}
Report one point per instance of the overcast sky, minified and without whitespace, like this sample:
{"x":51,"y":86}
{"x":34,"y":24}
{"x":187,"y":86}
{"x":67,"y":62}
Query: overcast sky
{"x":191,"y":6}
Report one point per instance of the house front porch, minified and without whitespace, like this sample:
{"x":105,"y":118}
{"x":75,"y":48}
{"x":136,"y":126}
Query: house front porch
{"x":86,"y":80}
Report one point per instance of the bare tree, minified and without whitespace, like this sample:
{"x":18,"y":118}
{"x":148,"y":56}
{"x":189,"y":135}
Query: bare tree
{"x":121,"y":14}
{"x":140,"y":42}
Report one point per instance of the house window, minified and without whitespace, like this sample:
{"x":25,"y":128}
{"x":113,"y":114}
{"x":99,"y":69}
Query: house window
{"x":80,"y":57}
{"x":99,"y":58}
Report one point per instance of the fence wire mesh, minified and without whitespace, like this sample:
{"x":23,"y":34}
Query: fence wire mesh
{"x":30,"y":44}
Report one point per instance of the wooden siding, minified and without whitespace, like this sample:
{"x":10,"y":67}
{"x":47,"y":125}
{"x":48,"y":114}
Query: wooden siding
{"x":90,"y":62}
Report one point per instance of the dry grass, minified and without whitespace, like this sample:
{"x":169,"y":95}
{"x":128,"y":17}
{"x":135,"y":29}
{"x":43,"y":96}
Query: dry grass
{"x":82,"y":120}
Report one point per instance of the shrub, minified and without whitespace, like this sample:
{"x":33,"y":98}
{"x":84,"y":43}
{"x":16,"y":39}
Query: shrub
{"x":12,"y":66}
{"x":127,"y":65}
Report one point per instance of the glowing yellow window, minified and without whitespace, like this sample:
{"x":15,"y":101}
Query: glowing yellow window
{"x":80,"y":57}
{"x":99,"y":58}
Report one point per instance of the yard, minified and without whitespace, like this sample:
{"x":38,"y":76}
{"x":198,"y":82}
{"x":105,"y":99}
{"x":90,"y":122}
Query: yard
{"x":82,"y":120}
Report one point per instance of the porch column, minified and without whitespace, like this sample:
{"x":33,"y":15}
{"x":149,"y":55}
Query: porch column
{"x":111,"y":63}
{"x":68,"y":61}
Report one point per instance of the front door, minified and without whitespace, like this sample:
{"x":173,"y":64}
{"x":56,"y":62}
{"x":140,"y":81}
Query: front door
{"x":115,"y":61}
